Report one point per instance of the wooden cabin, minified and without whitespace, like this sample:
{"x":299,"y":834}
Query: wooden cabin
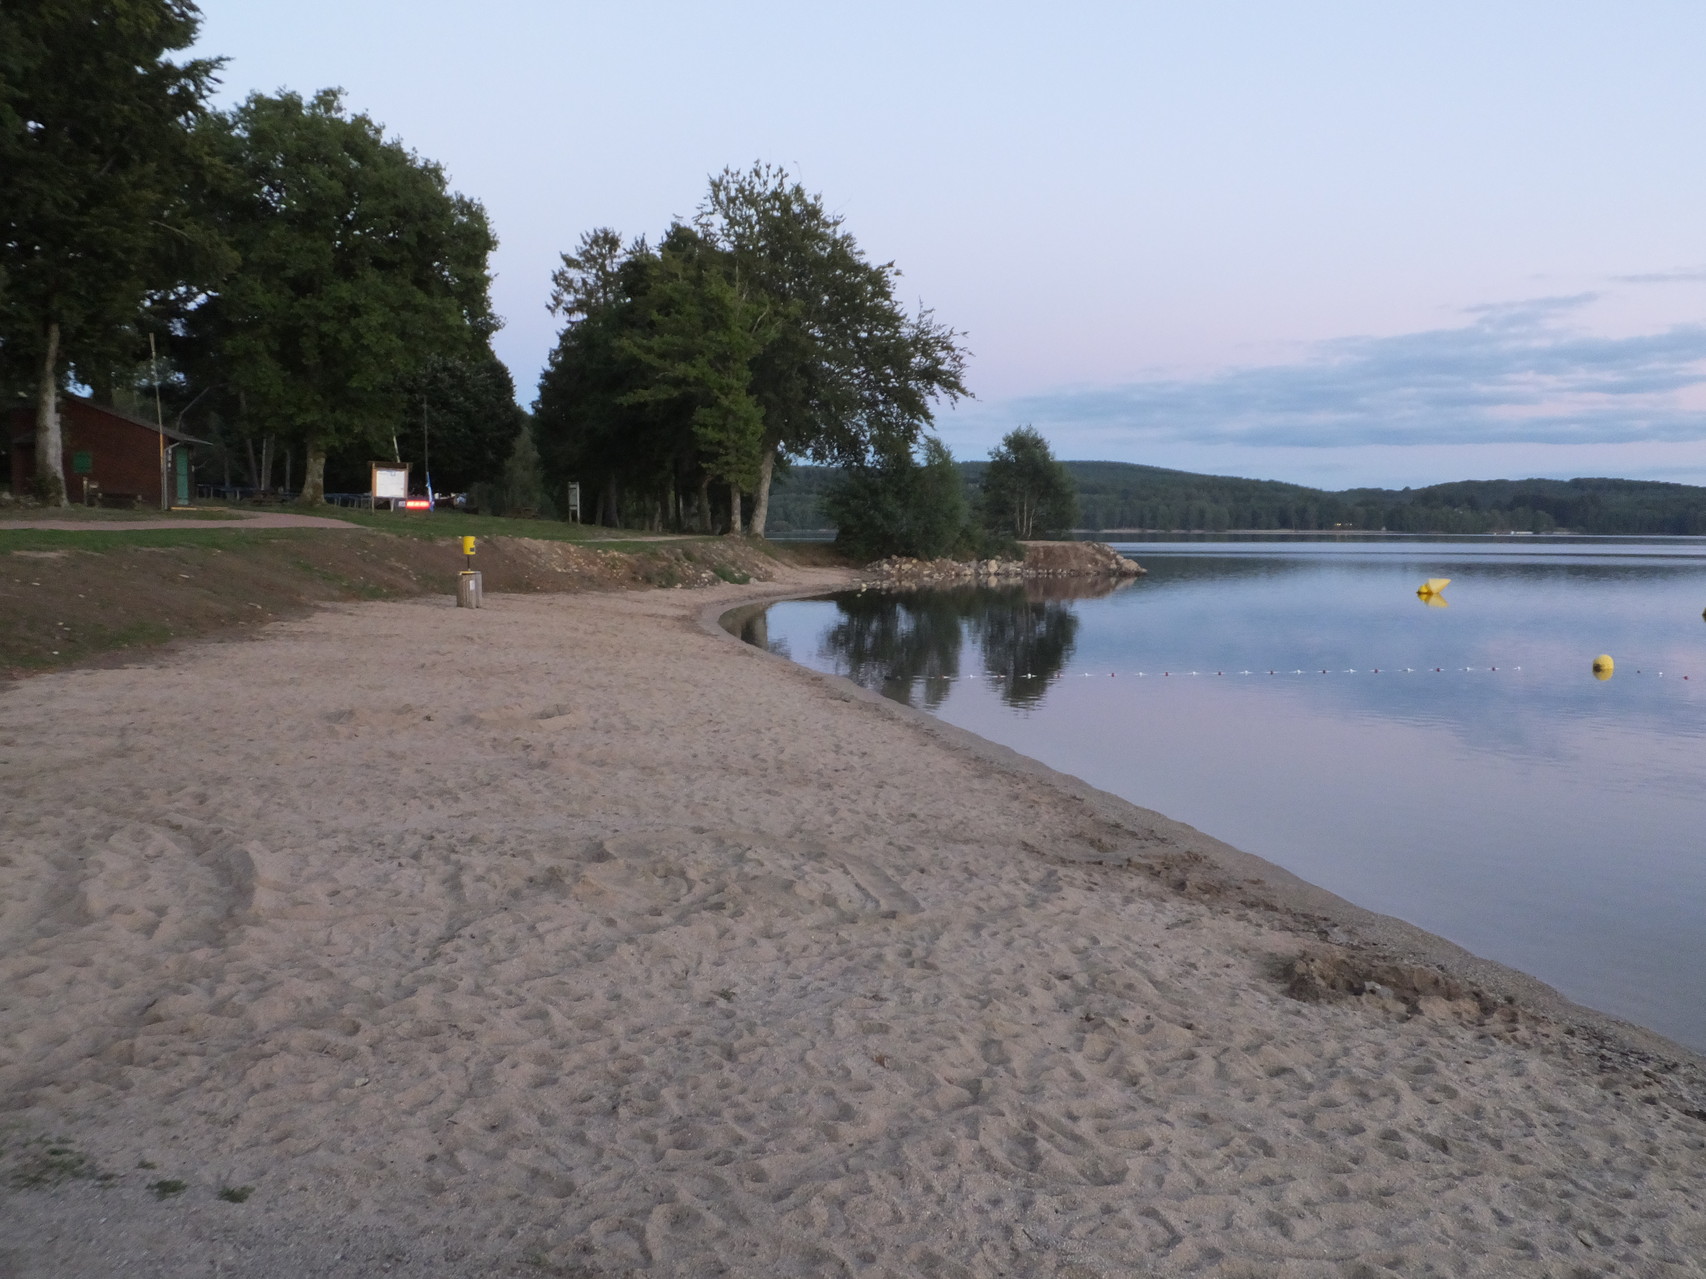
{"x":111,"y":458}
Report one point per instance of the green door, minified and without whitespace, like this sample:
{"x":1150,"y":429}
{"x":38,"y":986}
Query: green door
{"x":181,"y":465}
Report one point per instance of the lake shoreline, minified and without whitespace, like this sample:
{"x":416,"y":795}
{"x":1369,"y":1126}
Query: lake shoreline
{"x":1452,"y":760}
{"x":1387,"y":939}
{"x":571,"y":933}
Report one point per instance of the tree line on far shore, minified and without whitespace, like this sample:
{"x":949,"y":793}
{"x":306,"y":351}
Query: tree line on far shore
{"x":1127,"y":496}
{"x":1122,"y":495}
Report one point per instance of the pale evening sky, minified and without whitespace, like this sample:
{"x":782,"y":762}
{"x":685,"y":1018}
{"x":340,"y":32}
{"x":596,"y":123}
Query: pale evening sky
{"x":1329,"y":242}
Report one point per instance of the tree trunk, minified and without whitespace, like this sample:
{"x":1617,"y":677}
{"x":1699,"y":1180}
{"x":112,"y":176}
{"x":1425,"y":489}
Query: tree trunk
{"x":612,"y":508}
{"x":704,"y":503}
{"x":761,"y":499}
{"x":735,"y":529}
{"x":50,"y":447}
{"x":314,"y":474}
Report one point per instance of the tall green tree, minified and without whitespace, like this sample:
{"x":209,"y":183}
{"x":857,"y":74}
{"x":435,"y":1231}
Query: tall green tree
{"x":359,"y":265}
{"x":757,"y":336}
{"x":524,"y":478}
{"x":100,"y":161}
{"x":701,"y":333}
{"x":589,"y":425}
{"x":846,"y":373}
{"x":1025,"y":491}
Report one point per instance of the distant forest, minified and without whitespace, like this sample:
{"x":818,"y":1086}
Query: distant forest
{"x":1124,"y":495}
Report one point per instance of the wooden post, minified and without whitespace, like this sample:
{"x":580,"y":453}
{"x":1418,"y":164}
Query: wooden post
{"x":468,"y":589}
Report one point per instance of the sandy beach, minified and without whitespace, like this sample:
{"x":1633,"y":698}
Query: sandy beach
{"x":572,"y":937}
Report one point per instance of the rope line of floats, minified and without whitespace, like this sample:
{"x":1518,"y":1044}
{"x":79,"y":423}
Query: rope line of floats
{"x":1598,"y":670}
{"x":1430,"y":592}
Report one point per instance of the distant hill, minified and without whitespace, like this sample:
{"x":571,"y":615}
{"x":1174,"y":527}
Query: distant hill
{"x":1125,"y":495}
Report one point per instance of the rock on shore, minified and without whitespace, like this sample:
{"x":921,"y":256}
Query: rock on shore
{"x":1042,"y":559}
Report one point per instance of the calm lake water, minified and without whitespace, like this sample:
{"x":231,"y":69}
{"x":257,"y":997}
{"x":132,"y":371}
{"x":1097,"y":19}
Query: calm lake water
{"x":1457,"y":766}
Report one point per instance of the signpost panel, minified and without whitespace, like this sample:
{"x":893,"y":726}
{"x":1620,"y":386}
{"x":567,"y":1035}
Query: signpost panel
{"x":390,"y":484}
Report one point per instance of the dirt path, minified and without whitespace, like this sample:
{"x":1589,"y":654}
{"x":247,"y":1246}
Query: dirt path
{"x":242,"y":520}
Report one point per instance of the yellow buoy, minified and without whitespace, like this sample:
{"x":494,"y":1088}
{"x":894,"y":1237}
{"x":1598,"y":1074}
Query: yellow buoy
{"x":1433,"y":586}
{"x":1603,"y":666}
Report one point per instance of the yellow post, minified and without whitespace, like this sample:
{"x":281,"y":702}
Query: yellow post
{"x":467,"y":554}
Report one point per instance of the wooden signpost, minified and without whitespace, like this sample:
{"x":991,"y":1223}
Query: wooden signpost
{"x":389,"y":484}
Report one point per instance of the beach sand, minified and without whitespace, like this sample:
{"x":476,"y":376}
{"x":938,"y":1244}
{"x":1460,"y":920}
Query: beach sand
{"x":571,"y":937}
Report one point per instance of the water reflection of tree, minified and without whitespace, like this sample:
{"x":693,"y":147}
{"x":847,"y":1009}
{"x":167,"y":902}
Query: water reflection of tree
{"x":752,"y":624}
{"x":894,"y":643}
{"x":1026,"y":642}
{"x":907,"y":645}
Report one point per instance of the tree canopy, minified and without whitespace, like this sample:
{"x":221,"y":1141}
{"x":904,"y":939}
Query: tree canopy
{"x":701,"y":334}
{"x":901,"y":507}
{"x":756,"y":335}
{"x":1025,"y":491}
{"x":846,"y":372}
{"x":359,"y":267}
{"x":460,"y":419}
{"x":101,"y":163}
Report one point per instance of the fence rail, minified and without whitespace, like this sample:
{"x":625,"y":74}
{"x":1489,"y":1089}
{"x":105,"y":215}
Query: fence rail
{"x":238,"y":493}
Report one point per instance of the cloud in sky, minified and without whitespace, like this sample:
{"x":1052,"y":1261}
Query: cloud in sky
{"x":1519,"y":373}
{"x":1686,"y":275}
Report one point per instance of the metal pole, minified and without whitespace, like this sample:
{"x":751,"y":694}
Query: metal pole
{"x":426,"y":458}
{"x":159,"y":420}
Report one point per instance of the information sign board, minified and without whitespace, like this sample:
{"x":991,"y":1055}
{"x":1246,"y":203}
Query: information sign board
{"x":390,"y":481}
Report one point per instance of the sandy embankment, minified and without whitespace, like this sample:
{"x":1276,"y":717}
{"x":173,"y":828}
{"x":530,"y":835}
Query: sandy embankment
{"x":564,"y":937}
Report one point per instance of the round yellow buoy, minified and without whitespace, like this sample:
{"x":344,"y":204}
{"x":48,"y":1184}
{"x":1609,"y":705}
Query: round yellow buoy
{"x":1603,"y":666}
{"x":467,"y":546}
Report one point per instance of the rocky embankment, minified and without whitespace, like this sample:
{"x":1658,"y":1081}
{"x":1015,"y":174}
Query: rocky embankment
{"x":1042,"y":559}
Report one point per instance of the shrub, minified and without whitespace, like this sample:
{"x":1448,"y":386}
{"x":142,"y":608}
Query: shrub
{"x":899,"y":506}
